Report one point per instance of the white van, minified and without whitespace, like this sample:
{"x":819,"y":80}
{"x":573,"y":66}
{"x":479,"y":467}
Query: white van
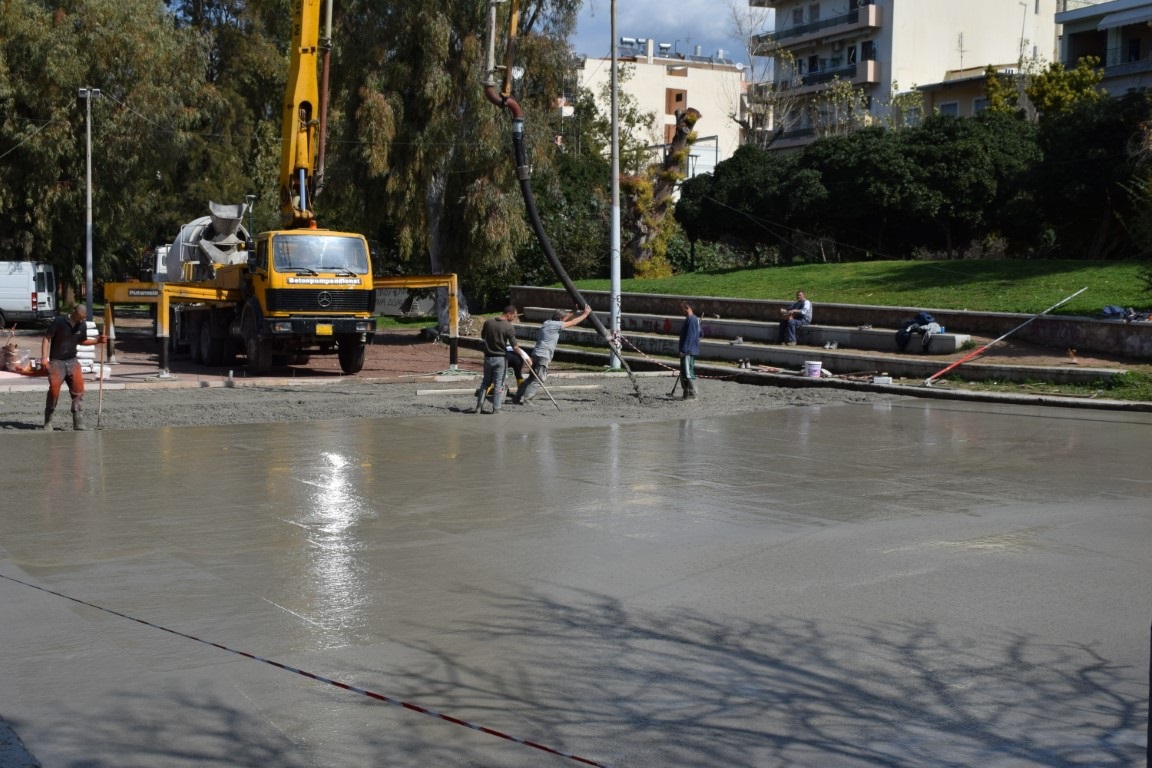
{"x":27,"y":292}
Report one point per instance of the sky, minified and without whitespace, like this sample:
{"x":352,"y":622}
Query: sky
{"x":706,"y":23}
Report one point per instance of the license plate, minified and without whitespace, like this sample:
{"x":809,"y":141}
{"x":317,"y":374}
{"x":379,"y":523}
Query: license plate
{"x":323,"y":330}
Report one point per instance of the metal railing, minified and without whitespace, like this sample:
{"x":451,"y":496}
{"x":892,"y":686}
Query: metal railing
{"x":1072,"y":5}
{"x":813,"y":26}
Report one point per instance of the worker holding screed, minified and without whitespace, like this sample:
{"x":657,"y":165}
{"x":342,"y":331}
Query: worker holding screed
{"x":545,"y":348}
{"x":498,"y":334}
{"x":58,"y":355}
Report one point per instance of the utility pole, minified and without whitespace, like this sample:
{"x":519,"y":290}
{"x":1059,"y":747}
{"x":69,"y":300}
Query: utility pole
{"x":251,"y":199}
{"x":87,"y":94}
{"x":614,"y":260}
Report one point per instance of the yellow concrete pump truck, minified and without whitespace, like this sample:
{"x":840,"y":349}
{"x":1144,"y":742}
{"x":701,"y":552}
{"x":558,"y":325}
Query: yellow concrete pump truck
{"x":284,"y":294}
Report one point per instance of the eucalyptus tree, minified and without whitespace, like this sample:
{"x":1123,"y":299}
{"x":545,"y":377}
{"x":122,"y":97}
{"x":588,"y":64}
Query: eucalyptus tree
{"x":150,"y":89}
{"x":425,"y":160}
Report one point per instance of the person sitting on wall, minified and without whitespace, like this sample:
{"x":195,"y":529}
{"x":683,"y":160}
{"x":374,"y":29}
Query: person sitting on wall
{"x":791,"y":318}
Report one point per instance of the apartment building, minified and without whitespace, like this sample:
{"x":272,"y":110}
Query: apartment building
{"x":663,"y":81}
{"x":886,"y":47}
{"x":1116,"y":32}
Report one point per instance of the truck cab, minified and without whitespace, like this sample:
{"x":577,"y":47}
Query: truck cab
{"x":310,"y":290}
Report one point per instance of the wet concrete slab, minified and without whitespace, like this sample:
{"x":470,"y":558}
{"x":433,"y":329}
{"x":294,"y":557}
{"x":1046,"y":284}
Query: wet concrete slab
{"x":906,"y":584}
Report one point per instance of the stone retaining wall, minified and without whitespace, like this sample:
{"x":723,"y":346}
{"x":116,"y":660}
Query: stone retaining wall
{"x":1085,"y":334}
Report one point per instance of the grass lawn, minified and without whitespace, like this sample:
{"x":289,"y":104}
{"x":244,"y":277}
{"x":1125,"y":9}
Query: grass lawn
{"x":981,"y":286}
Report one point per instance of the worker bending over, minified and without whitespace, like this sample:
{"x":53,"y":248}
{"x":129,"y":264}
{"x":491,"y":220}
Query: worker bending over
{"x":545,"y":348}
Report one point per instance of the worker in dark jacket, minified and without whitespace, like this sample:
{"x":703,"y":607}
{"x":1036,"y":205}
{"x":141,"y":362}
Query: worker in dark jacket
{"x":58,"y":354}
{"x":689,"y":349}
{"x":499,"y":337}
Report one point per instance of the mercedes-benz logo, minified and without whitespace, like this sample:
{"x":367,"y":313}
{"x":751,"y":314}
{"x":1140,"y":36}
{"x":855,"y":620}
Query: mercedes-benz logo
{"x":324,"y":299}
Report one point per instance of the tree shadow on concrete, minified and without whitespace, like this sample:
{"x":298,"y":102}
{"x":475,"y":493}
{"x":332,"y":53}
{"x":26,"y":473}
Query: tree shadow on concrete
{"x":582,"y":673}
{"x":682,"y":688}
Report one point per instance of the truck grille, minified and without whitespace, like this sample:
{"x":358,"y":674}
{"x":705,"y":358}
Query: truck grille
{"x":309,"y":300}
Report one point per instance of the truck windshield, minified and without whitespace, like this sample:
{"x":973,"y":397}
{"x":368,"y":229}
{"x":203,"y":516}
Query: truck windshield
{"x":320,"y":253}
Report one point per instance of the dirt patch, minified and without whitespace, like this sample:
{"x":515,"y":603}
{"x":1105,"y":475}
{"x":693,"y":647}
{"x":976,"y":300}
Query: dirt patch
{"x":406,"y":374}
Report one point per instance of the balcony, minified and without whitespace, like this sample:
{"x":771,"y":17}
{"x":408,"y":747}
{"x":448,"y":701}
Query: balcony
{"x":1118,"y":63}
{"x":864,"y":73}
{"x":862,"y":19}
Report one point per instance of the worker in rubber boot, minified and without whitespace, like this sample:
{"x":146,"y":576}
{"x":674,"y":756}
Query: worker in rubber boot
{"x":499,"y":336}
{"x":689,"y":349}
{"x":58,"y":355}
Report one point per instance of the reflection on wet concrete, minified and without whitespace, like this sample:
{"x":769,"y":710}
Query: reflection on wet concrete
{"x":900,"y":584}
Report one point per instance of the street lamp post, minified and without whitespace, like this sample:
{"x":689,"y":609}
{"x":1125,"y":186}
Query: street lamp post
{"x":251,"y":199}
{"x":87,"y":94}
{"x":614,"y":238}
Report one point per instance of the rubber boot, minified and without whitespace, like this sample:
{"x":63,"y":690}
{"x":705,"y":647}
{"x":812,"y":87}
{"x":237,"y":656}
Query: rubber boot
{"x":690,"y":389}
{"x":479,"y":400}
{"x":47,"y":421}
{"x":78,"y":421}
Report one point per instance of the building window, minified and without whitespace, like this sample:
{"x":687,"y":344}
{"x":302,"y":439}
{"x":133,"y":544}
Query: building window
{"x":675,"y":99}
{"x":814,"y":12}
{"x":851,"y":54}
{"x":979,"y":105}
{"x":949,"y":108}
{"x":797,"y":16}
{"x":868,"y":50}
{"x":813,"y":64}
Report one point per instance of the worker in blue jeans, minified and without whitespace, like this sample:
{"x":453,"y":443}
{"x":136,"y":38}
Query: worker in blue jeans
{"x":499,"y":336}
{"x":689,"y":349}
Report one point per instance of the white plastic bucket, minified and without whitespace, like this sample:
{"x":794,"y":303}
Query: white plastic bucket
{"x":812,"y":369}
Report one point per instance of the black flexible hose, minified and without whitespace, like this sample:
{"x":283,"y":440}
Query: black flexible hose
{"x":525,"y":180}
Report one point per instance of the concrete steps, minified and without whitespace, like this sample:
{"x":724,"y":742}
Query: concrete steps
{"x":657,"y":337}
{"x":766,"y":332}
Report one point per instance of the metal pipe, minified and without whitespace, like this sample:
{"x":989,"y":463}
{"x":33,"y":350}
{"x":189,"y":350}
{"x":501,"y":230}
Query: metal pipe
{"x":87,"y":93}
{"x":928,"y":381}
{"x":322,"y":141}
{"x":614,"y":239}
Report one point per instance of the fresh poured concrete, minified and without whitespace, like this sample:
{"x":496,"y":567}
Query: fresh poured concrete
{"x":905,"y":584}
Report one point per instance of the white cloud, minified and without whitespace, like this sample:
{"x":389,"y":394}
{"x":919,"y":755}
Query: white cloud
{"x":706,"y":24}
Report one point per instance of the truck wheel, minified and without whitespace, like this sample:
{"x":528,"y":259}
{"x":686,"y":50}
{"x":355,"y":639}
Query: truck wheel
{"x":209,"y":347}
{"x":193,"y":337}
{"x":350,"y":349}
{"x":258,"y":353}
